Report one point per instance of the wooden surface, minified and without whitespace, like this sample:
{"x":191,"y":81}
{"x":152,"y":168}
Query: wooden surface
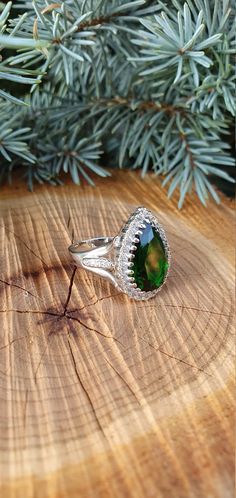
{"x":104,"y":397}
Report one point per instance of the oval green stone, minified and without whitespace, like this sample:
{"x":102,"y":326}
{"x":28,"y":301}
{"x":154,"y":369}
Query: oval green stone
{"x":150,"y":261}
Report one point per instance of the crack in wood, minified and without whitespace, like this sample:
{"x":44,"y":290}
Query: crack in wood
{"x":181,"y":306}
{"x":123,"y":380}
{"x":92,"y":329}
{"x":69,"y":290}
{"x":68,"y":315}
{"x":100,"y":427}
{"x":10,"y":284}
{"x":8,"y":345}
{"x":158,"y":350}
{"x":40,"y":361}
{"x":95,"y":302}
{"x":27,"y":247}
{"x":25,"y":408}
{"x":62,"y":315}
{"x":185,"y":362}
{"x":41,"y":312}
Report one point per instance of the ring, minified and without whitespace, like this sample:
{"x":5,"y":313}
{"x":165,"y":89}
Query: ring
{"x":136,"y":261}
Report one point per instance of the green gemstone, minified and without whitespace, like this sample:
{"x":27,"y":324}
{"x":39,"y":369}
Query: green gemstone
{"x":150,"y":261}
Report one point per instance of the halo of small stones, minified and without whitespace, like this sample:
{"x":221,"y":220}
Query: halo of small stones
{"x":126,"y":245}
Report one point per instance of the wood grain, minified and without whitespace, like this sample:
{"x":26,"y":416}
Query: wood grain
{"x":101,"y":396}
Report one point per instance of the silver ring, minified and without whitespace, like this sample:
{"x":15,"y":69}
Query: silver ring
{"x":136,"y":261}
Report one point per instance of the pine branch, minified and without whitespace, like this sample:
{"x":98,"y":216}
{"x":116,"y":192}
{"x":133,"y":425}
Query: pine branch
{"x":151,"y":85}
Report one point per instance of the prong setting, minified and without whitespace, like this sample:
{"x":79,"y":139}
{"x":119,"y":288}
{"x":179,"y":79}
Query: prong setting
{"x":130,"y":237}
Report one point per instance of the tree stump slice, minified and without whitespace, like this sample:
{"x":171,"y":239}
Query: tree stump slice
{"x":102,"y":396}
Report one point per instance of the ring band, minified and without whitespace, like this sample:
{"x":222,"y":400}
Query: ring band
{"x":137,"y":260}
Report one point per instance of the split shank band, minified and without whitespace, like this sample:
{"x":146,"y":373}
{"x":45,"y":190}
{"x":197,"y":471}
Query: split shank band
{"x":88,"y":254}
